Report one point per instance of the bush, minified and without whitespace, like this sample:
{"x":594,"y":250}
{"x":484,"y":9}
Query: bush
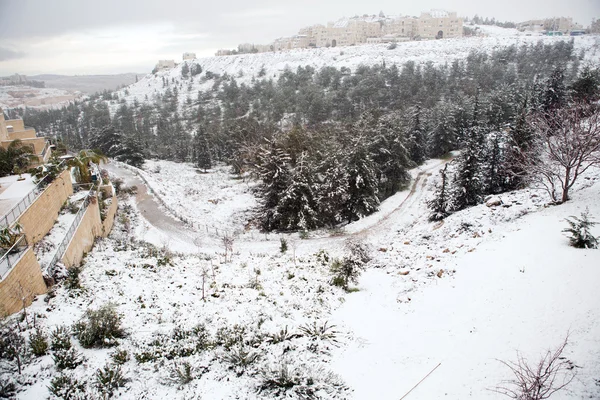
{"x":67,"y":359}
{"x":392,"y":46}
{"x":579,"y":230}
{"x":281,"y":336}
{"x":305,"y":384}
{"x":322,"y":331}
{"x":348,"y":269}
{"x":120,"y":357}
{"x":38,"y":343}
{"x":109,"y":379}
{"x":72,"y":281}
{"x":99,"y":328}
{"x":182,"y":373}
{"x":284,"y":245}
{"x":67,"y":388}
{"x":7,"y":389}
{"x":60,"y":338}
{"x":240,"y":358}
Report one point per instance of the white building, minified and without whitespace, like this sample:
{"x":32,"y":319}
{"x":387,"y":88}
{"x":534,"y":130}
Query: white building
{"x":189,"y":56}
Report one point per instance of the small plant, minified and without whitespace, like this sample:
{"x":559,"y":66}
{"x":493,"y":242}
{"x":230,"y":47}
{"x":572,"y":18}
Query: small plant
{"x":254,"y":282}
{"x":99,"y":328}
{"x":38,"y":343}
{"x":67,"y":359}
{"x":182,"y":373}
{"x":120,"y":357}
{"x":348,"y":269}
{"x":283,"y":247}
{"x":281,"y":336}
{"x":67,"y":388}
{"x":538,"y":381}
{"x":579,"y":229}
{"x":300,"y":382}
{"x":240,"y":358}
{"x":392,"y":46}
{"x":7,"y":389}
{"x":304,"y":235}
{"x":109,"y":379}
{"x":60,"y":338}
{"x":322,"y":331}
{"x":72,"y":281}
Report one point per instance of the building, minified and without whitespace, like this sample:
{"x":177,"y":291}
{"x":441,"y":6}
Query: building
{"x":13,"y":129}
{"x":189,"y":56}
{"x":439,"y":24}
{"x":401,"y":26}
{"x":555,"y":24}
{"x":164,"y":65}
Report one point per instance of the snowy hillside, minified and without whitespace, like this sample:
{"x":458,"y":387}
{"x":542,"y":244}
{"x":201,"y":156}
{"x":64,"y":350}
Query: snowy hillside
{"x":245,"y":67}
{"x":459,"y":295}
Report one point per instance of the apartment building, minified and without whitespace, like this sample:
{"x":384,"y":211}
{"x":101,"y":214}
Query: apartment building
{"x":435,"y":24}
{"x":164,"y":64}
{"x":439,"y":24}
{"x":13,"y":129}
{"x":555,"y":24}
{"x":189,"y":56}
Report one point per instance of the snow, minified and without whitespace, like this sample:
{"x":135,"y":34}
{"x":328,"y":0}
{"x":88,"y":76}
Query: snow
{"x":245,"y":67}
{"x":12,"y":190}
{"x":40,"y":98}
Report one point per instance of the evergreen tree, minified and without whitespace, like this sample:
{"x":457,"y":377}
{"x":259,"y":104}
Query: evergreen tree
{"x":586,"y":87}
{"x":554,"y":95}
{"x":442,"y":138}
{"x":202,"y":157}
{"x":185,"y":70}
{"x":273,"y":169}
{"x":439,"y":205}
{"x":519,"y":143}
{"x":362,"y":184}
{"x":494,"y":164}
{"x":417,"y":136}
{"x":579,"y":229}
{"x":333,"y":191}
{"x":467,"y":185}
{"x":297,"y":207}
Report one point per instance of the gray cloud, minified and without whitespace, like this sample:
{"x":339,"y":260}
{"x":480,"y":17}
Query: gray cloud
{"x":8,"y":54}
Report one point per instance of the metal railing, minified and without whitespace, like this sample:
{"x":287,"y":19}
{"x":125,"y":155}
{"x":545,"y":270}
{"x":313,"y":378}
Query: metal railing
{"x":12,"y":256}
{"x":62,"y":247}
{"x":19,"y":208}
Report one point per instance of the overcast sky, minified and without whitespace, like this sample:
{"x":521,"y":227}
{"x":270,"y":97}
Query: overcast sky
{"x":112,"y":36}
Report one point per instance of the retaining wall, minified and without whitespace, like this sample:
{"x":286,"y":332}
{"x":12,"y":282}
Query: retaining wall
{"x":41,"y":215}
{"x":22,"y":283}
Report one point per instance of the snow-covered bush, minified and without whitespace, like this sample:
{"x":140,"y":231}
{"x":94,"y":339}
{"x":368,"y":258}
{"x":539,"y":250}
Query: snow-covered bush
{"x":99,"y":328}
{"x":67,"y":388}
{"x":38,"y":343}
{"x":109,"y":379}
{"x":579,"y":229}
{"x":67,"y":359}
{"x":60,"y":338}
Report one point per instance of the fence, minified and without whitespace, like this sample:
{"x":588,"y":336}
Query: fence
{"x":10,"y":217}
{"x":62,"y":247}
{"x":12,"y":255}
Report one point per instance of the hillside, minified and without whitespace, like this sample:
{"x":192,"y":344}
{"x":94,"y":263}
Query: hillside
{"x":87,"y":84}
{"x":246,"y":67}
{"x":486,"y":283}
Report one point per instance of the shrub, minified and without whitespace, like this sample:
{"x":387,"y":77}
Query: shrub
{"x":284,"y":245}
{"x":60,"y":338}
{"x":72,"y":281}
{"x":182,"y":373}
{"x":7,"y":389}
{"x":281,"y":336}
{"x":392,"y":46}
{"x":240,"y":358}
{"x":67,"y":388}
{"x":120,"y":357}
{"x":322,"y":331}
{"x":99,"y":328}
{"x":348,"y":269}
{"x":67,"y":359}
{"x":579,"y":229}
{"x":38,"y":343}
{"x":305,"y":384}
{"x":109,"y":379}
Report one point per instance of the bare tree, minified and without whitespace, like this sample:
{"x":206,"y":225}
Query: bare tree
{"x":538,"y":381}
{"x":228,"y":245}
{"x":568,"y":145}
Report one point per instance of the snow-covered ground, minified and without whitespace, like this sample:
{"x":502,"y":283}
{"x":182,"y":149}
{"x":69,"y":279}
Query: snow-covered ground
{"x":41,"y":98}
{"x":245,"y":67}
{"x":459,"y":295}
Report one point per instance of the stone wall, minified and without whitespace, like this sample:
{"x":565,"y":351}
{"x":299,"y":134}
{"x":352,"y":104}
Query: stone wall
{"x":41,"y":215}
{"x":23,"y":281}
{"x":110,"y":217}
{"x":82,"y":241}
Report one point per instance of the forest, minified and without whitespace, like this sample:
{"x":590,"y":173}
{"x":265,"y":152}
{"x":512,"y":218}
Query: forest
{"x":328,"y":145}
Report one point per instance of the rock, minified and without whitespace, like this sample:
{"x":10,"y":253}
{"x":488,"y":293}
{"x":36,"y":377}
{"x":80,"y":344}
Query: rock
{"x":446,"y":250}
{"x":403,"y":273}
{"x":440,"y":273}
{"x":407,"y":242}
{"x":493,"y":201}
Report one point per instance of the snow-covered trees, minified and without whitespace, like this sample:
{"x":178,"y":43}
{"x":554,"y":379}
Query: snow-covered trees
{"x":568,"y":144}
{"x":201,"y":151}
{"x":579,"y":231}
{"x":362,"y":184}
{"x":439,"y":205}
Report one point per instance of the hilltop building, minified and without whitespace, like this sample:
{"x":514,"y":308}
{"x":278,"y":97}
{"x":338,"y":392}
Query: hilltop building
{"x":164,"y":64}
{"x":189,"y":56}
{"x":435,"y":24}
{"x":556,"y":24}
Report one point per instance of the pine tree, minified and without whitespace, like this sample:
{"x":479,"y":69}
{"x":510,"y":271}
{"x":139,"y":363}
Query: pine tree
{"x":442,"y":139}
{"x":554,"y":95}
{"x":494,"y":166}
{"x":273,"y":169}
{"x":579,"y":229}
{"x":467,"y":184}
{"x":439,"y":205}
{"x":202,"y":157}
{"x":333,"y":191}
{"x":417,"y":137}
{"x":362,"y":184}
{"x":519,"y":143}
{"x":297,"y":207}
{"x":185,"y":70}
